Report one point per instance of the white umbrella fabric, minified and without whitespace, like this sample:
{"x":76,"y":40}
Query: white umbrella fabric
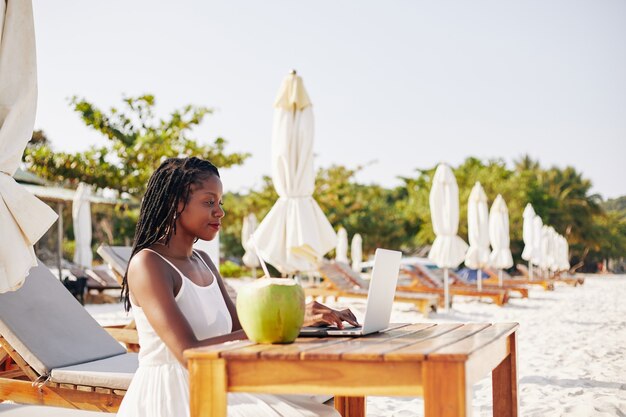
{"x":356,"y":252}
{"x":448,"y":249}
{"x":295,"y":234}
{"x":500,"y":257}
{"x":528,"y":229}
{"x":554,"y":250}
{"x":546,"y":248}
{"x":81,"y":218}
{"x":23,"y":218}
{"x":249,"y":258}
{"x":341,"y":251}
{"x":477,"y":256}
{"x":564,"y":254}
{"x":537,"y":254}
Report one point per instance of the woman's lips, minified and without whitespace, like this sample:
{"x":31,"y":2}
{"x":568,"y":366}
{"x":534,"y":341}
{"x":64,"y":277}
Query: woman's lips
{"x":216,"y":226}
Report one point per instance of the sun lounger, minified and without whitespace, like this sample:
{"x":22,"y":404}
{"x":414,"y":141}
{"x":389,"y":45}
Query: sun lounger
{"x":518,"y":288}
{"x":20,"y":410}
{"x":573,"y":281}
{"x":493,"y":279}
{"x":118,"y":256}
{"x":60,"y":355}
{"x":343,"y":281}
{"x":423,"y":280}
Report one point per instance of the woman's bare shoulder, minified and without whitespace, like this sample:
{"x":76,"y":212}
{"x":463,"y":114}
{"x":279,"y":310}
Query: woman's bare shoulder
{"x":147,"y":267}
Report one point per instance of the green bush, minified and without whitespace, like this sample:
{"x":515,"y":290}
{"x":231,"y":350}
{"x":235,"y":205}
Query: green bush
{"x":229,"y":269}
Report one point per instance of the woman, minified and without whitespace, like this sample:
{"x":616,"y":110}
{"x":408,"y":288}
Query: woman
{"x":179,"y":301}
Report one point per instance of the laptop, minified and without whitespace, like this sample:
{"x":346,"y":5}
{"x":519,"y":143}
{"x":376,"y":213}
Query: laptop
{"x":379,"y":299}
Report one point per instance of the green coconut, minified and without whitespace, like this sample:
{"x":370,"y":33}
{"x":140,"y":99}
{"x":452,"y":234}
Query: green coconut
{"x":271,"y":310}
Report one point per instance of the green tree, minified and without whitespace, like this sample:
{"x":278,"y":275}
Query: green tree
{"x":137,"y":143}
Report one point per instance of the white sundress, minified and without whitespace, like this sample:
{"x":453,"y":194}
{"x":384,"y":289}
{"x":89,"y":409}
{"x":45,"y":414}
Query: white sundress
{"x":160,"y":387}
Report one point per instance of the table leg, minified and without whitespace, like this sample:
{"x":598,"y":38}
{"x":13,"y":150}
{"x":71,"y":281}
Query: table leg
{"x":504,"y":381}
{"x":447,"y":392}
{"x":350,"y":406}
{"x":207,"y":388}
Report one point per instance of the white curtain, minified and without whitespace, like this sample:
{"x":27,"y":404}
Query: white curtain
{"x":23,"y":218}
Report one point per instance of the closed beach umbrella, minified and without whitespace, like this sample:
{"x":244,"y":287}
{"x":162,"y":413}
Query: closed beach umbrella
{"x":23,"y":218}
{"x":448,"y":249}
{"x":295,"y":234}
{"x":341,"y":251}
{"x":81,"y":218}
{"x":564,"y":254}
{"x":527,"y":235}
{"x":500,"y":257}
{"x":554,"y":249}
{"x":356,"y":252}
{"x":537,"y":253}
{"x":249,"y":259}
{"x":546,"y":248}
{"x":477,"y":255}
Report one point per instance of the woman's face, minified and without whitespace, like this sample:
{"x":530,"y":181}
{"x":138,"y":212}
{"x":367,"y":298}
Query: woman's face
{"x":203,"y":213}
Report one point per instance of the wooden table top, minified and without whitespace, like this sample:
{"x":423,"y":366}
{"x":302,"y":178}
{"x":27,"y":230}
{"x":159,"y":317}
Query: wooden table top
{"x":452,"y":342}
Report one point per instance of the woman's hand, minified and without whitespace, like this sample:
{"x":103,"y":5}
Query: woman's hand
{"x":317,"y":314}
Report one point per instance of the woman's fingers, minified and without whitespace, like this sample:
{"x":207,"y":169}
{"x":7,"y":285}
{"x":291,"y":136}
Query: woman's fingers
{"x":348,"y":316}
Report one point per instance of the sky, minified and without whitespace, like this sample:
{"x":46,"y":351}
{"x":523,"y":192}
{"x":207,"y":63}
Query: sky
{"x":395,"y":85}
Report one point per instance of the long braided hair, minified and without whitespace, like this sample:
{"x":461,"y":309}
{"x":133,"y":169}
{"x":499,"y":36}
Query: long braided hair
{"x":168,"y":186}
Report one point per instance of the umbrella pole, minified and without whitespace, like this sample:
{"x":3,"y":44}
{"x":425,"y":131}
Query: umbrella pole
{"x":479,"y":281}
{"x":530,"y":270}
{"x":446,"y":290}
{"x":500,"y":277}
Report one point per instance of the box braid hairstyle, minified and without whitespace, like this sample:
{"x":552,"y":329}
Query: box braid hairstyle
{"x":168,"y":186}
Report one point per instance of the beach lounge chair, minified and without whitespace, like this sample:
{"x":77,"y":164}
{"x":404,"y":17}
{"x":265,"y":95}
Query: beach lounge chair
{"x":20,"y":410}
{"x":518,"y":288}
{"x":343,"y":281}
{"x":492,"y":278}
{"x":422,"y":280}
{"x":573,"y":281}
{"x":59,"y":354}
{"x":117,"y":258}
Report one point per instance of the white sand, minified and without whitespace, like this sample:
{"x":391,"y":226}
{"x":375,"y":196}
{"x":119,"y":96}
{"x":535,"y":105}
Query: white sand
{"x":571,"y":357}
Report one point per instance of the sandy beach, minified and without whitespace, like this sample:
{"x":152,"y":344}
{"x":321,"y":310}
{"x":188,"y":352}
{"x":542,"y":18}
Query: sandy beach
{"x":572,"y":348}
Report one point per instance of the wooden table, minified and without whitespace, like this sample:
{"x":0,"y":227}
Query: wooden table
{"x":440,"y":362}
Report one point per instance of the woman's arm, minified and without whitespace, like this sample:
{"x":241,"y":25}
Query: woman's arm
{"x":151,"y":282}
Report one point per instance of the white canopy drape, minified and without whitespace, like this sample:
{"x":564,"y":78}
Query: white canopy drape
{"x":295,"y":234}
{"x":23,"y":218}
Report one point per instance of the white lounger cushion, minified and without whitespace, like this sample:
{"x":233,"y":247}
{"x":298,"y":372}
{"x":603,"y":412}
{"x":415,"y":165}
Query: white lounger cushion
{"x":18,"y":410}
{"x":47,"y":326}
{"x":115,"y":372}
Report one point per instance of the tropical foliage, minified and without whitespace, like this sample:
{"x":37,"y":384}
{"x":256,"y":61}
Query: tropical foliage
{"x":396,"y":217}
